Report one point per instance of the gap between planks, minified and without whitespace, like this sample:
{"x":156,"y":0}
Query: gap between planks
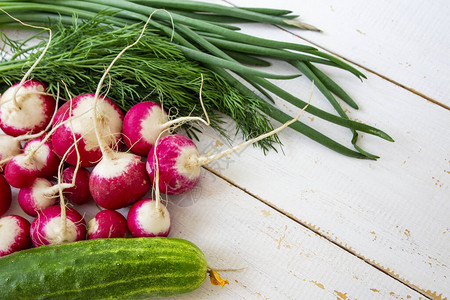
{"x":317,"y":232}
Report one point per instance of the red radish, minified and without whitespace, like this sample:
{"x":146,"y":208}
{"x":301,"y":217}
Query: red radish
{"x":21,"y":171}
{"x":146,"y":121}
{"x":79,"y":194}
{"x":110,"y":119}
{"x":51,"y":227}
{"x":5,"y":195}
{"x":38,"y":196}
{"x":38,"y":159}
{"x":14,"y":234}
{"x":148,"y":218}
{"x":107,"y":224}
{"x":26,"y":108}
{"x":179,"y":170}
{"x":9,"y":147}
{"x":141,"y":126}
{"x":45,"y":158}
{"x":118,"y":180}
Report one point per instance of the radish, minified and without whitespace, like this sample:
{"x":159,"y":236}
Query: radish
{"x":26,"y":108}
{"x":179,"y":169}
{"x":14,"y":234}
{"x":141,"y":126}
{"x":46,"y":160}
{"x":107,"y":224}
{"x":38,"y":158}
{"x":5,"y":195}
{"x":21,"y":171}
{"x":146,"y":121}
{"x":38,"y":196}
{"x":175,"y":160}
{"x":79,"y":194}
{"x":118,"y":180}
{"x":52,"y":226}
{"x":110,"y":119}
{"x":148,"y":218}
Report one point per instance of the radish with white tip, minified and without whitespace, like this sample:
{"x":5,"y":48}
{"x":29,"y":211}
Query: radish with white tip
{"x":40,"y":195}
{"x":14,"y":234}
{"x":118,"y":180}
{"x":25,"y":107}
{"x":21,"y":171}
{"x":147,"y":120}
{"x":147,"y":218}
{"x":141,"y":126}
{"x":109,"y":118}
{"x":5,"y":195}
{"x":38,"y":158}
{"x":107,"y":224}
{"x":46,"y":160}
{"x":53,"y":226}
{"x":10,"y":146}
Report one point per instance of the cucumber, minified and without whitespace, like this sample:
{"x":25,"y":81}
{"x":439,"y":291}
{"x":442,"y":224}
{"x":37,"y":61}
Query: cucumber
{"x":134,"y":268}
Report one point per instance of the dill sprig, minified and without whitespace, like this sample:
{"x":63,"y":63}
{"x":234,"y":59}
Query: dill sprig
{"x":152,"y":70}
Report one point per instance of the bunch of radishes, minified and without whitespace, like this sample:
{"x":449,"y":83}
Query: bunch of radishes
{"x":78,"y":158}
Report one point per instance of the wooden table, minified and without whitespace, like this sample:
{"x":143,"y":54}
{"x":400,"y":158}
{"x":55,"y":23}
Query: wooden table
{"x":308,"y":223}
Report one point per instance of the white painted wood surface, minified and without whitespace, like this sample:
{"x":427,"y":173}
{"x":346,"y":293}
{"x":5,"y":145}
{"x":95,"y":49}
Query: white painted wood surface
{"x":320,"y":225}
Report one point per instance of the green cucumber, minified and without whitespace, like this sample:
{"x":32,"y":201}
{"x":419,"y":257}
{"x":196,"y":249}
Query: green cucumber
{"x":134,"y":268}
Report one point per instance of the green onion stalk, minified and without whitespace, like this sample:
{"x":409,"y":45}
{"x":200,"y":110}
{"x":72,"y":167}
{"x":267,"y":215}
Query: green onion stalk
{"x":186,"y":37}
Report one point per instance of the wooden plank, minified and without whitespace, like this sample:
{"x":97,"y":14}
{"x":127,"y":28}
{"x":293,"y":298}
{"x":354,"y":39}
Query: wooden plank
{"x":282,"y":259}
